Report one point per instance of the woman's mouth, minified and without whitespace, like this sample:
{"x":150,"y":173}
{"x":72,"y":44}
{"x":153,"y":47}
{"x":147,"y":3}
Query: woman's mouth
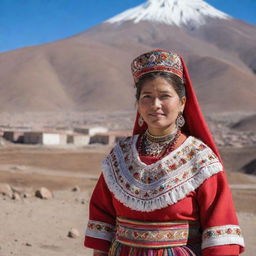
{"x":156,"y":114}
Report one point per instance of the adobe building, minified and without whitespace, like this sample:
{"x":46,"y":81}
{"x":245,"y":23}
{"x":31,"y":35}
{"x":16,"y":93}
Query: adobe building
{"x":14,"y":136}
{"x":91,"y":131}
{"x":45,"y":138}
{"x":78,"y":139}
{"x":108,"y":138}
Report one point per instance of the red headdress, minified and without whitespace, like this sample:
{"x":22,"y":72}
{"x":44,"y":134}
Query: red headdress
{"x":161,"y":60}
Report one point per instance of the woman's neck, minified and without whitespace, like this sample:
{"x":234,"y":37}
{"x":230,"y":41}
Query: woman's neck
{"x":161,"y":132}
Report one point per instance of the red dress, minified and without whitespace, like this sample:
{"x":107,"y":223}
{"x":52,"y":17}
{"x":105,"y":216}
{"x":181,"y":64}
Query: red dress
{"x":188,"y":185}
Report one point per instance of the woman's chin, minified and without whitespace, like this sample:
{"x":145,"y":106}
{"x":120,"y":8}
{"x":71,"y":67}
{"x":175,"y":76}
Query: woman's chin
{"x":158,"y":125}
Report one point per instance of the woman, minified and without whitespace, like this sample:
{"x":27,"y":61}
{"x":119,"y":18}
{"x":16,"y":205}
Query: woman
{"x":163,"y":191}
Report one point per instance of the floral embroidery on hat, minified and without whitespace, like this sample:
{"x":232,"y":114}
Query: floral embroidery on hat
{"x":157,"y":60}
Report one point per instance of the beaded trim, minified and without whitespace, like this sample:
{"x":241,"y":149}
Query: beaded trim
{"x":101,"y":230}
{"x":221,"y":235}
{"x":145,"y":187}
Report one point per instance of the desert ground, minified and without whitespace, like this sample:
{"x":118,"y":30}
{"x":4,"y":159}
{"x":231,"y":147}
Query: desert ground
{"x":32,"y":226}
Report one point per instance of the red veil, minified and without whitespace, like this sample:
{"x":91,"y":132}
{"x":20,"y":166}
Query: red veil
{"x":195,"y":123}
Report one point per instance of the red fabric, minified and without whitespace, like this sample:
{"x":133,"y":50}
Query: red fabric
{"x":96,"y":244}
{"x":100,"y":209}
{"x":223,"y":250}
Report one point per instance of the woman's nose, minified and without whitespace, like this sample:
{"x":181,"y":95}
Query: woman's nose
{"x":156,"y":102}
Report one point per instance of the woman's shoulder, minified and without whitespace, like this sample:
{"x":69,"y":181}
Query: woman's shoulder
{"x":124,"y":143}
{"x":197,"y":143}
{"x":127,"y":141}
{"x":199,"y":150}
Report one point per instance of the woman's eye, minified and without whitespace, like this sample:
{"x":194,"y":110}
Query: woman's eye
{"x":165,"y":96}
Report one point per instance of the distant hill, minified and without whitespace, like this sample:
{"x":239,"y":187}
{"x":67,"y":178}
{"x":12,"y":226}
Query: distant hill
{"x":91,"y":71}
{"x":246,"y":124}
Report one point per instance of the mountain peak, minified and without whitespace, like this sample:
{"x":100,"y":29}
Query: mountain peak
{"x":171,"y":12}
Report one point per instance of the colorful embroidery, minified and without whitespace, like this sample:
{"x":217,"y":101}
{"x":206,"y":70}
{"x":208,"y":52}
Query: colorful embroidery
{"x":149,"y":187}
{"x":154,"y":235}
{"x":157,"y":60}
{"x":116,"y":248}
{"x":100,"y":230}
{"x":221,"y":235}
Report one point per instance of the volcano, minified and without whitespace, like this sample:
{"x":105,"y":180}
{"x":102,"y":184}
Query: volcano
{"x":91,"y":71}
{"x":171,"y":12}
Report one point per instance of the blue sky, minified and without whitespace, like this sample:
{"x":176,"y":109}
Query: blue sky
{"x":32,"y":22}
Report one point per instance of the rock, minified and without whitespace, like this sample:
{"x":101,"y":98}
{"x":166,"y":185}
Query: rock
{"x":44,"y":193}
{"x":76,"y":189}
{"x":5,"y":189}
{"x":28,"y":244}
{"x":16,"y":196}
{"x":27,"y":195}
{"x":73,"y":233}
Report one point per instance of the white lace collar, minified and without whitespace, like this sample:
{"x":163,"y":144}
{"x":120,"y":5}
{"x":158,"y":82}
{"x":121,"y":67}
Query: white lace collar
{"x":149,"y":187}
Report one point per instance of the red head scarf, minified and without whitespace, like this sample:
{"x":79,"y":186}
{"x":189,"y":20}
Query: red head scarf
{"x":161,"y":60}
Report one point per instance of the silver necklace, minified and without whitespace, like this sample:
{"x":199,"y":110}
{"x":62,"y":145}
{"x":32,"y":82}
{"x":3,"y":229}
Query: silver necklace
{"x":155,"y":145}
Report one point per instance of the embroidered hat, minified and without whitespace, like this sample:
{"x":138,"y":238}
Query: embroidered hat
{"x":157,"y":60}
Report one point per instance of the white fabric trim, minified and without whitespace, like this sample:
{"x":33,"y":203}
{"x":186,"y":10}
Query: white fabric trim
{"x":100,"y":233}
{"x":222,"y":235}
{"x":178,"y":190}
{"x":164,"y":200}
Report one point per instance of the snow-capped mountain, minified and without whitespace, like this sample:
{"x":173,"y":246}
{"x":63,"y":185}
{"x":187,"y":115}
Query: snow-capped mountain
{"x":171,"y":12}
{"x":91,"y":71}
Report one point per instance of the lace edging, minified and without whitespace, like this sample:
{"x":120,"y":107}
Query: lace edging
{"x":162,"y":201}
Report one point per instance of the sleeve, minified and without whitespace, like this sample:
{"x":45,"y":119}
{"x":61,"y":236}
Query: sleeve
{"x":101,"y":225}
{"x":221,"y":231}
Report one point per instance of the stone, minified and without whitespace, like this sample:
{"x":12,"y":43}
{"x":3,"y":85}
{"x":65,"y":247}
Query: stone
{"x":76,"y":189}
{"x":73,"y":233}
{"x":5,"y":189}
{"x":27,"y":195}
{"x":44,"y":193}
{"x":16,"y":196}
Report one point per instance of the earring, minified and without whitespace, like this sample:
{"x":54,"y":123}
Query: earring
{"x":140,"y":121}
{"x":180,"y":121}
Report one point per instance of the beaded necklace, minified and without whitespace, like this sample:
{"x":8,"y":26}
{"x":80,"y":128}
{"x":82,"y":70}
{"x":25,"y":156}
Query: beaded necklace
{"x":157,"y":146}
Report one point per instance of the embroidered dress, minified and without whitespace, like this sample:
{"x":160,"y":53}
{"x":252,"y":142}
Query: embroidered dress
{"x":178,"y":205}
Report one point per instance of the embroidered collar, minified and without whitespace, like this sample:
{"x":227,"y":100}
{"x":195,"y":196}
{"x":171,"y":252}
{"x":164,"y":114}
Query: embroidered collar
{"x":149,"y":187}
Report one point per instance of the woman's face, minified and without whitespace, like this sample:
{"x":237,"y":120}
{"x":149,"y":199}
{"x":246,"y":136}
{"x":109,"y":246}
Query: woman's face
{"x":159,"y":105}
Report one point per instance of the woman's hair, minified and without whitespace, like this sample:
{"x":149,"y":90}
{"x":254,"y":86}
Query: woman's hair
{"x":178,"y":84}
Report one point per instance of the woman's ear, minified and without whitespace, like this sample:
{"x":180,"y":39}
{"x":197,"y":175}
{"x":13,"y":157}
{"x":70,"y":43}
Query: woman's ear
{"x":183,"y":103}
